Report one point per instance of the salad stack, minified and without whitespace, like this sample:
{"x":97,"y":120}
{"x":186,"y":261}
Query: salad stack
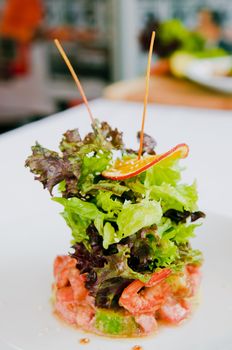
{"x":130,"y":264}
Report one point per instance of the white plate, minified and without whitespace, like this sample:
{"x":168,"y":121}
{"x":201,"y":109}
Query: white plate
{"x":209,"y":72}
{"x":32,"y":233}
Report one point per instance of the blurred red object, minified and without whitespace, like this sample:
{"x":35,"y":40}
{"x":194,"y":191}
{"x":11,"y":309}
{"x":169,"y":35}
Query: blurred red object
{"x":161,"y":67}
{"x":20,"y":65}
{"x":75,"y":102}
{"x":20,"y":19}
{"x":20,"y":22}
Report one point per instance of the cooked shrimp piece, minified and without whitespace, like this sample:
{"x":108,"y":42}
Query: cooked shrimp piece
{"x":148,"y":300}
{"x":59,"y":262}
{"x":71,"y":293}
{"x":67,"y":310}
{"x":148,"y":323}
{"x":84,"y":315}
{"x":194,"y":277}
{"x":65,"y":305}
{"x":158,"y":277}
{"x":174,"y":310}
{"x":65,"y":295}
{"x":67,"y":274}
{"x":186,"y":283}
{"x":77,"y":282}
{"x":62,"y":266}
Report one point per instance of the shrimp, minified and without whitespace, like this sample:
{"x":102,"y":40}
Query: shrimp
{"x":71,"y":310}
{"x":177,"y":306}
{"x":194,"y":277}
{"x":185,"y":284}
{"x":150,"y":298}
{"x":67,"y":274}
{"x":59,"y":262}
{"x":65,"y":304}
{"x":72,"y":302}
{"x":84,"y":315}
{"x":65,"y":295}
{"x":62,"y":266}
{"x":174,"y":310}
{"x":147,"y":322}
{"x":77,"y":282}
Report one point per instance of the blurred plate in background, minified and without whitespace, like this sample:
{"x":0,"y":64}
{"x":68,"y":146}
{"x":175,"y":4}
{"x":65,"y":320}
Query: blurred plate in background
{"x":213,"y":73}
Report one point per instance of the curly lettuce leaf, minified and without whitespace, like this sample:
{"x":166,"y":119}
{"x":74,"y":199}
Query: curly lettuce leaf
{"x":80,"y":160}
{"x":134,"y":217}
{"x":189,"y":256}
{"x":129,"y":218}
{"x":93,"y":164}
{"x":166,"y":253}
{"x":181,"y":197}
{"x":104,"y":201}
{"x":79,"y":214}
{"x":71,"y":142}
{"x":51,"y":168}
{"x":180,"y":233}
{"x":167,"y":171}
{"x":117,"y":267}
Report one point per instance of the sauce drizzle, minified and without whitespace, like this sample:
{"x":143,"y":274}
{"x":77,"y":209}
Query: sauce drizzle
{"x":137,"y":347}
{"x":84,"y":341}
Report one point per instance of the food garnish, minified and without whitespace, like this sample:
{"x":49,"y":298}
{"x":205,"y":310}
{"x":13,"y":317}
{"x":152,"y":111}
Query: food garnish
{"x":129,"y":167}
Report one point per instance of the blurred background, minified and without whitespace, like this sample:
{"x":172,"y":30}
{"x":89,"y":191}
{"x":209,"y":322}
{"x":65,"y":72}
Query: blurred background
{"x":107,"y":41}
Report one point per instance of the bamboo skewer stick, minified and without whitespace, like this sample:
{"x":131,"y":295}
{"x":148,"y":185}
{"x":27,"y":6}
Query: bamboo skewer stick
{"x":75,"y":78}
{"x":146,"y":94}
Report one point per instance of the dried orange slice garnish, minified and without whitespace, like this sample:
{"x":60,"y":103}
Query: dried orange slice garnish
{"x":125,"y":168}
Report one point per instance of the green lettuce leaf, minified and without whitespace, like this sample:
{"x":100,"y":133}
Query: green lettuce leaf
{"x":105,"y":202}
{"x":179,"y":197}
{"x":131,"y":219}
{"x":163,"y":251}
{"x":109,"y":235}
{"x":166,"y":171}
{"x":181,"y":233}
{"x":166,"y":252}
{"x":77,"y":224}
{"x":164,"y":226}
{"x":134,"y":217}
{"x":79,"y":215}
{"x":94,"y":164}
{"x":188,"y":256}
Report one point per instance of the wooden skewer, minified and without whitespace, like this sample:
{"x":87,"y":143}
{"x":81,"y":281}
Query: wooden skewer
{"x":146,"y":94}
{"x":75,"y":78}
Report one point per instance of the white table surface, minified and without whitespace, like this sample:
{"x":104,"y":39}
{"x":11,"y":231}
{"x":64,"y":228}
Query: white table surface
{"x":208,"y":133}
